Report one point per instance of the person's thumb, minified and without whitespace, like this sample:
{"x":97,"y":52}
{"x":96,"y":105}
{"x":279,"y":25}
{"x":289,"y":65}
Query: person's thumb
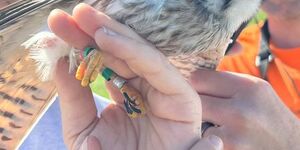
{"x":91,"y":143}
{"x":211,"y":142}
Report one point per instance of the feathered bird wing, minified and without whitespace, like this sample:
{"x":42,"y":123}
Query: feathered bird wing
{"x":23,"y":97}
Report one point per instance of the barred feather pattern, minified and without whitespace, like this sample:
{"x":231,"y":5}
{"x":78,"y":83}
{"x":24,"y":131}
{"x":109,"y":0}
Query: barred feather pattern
{"x":193,"y":34}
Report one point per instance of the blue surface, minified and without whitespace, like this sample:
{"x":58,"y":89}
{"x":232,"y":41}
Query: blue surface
{"x":47,"y":134}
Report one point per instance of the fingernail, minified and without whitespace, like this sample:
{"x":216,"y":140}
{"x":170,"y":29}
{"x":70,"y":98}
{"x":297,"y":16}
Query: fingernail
{"x":55,"y":11}
{"x":216,"y":142}
{"x":109,"y":32}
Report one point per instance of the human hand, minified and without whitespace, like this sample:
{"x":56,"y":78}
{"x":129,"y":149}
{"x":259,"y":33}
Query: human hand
{"x":173,"y":116}
{"x":206,"y":143}
{"x":249,"y":114}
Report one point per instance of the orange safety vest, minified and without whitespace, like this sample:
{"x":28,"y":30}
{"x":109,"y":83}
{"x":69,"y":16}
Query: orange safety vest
{"x":283,"y":72}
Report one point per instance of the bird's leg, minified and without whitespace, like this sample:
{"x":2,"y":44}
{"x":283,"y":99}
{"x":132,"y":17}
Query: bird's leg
{"x":88,"y":70}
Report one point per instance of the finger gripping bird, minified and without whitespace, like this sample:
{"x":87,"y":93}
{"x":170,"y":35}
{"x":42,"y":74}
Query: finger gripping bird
{"x":193,"y":34}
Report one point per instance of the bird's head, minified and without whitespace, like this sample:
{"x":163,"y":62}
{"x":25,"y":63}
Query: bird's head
{"x":234,"y":12}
